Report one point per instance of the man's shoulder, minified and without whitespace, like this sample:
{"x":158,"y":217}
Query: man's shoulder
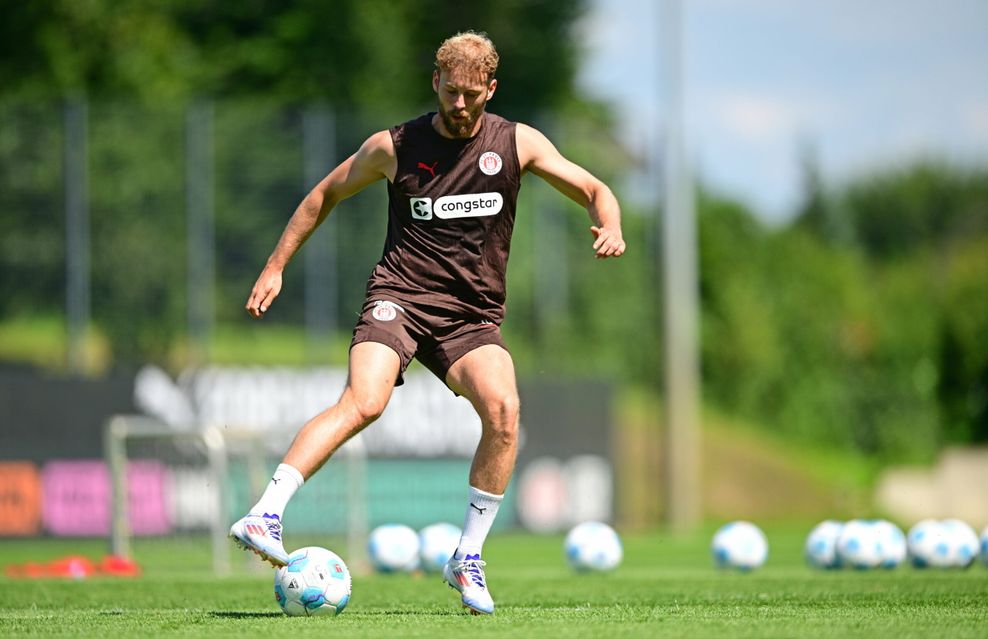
{"x":496,"y":120}
{"x":417,"y":123}
{"x":411,"y":129}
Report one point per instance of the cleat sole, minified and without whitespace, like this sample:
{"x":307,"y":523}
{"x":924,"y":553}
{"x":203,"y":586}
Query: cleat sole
{"x":264,"y":556}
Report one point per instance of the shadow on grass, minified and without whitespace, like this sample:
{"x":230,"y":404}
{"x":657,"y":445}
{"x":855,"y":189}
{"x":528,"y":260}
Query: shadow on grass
{"x":233,"y":614}
{"x":403,"y":613}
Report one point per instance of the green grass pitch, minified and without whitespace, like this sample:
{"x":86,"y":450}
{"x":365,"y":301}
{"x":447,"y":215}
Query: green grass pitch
{"x":666,"y":587}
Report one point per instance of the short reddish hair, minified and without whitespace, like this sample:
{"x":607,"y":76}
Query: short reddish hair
{"x":469,"y":51}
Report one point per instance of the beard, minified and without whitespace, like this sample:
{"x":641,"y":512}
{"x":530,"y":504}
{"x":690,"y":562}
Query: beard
{"x":462,"y":125}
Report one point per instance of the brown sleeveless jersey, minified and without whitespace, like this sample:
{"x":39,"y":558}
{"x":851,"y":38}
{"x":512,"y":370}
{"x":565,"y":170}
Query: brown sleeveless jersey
{"x":451,"y":211}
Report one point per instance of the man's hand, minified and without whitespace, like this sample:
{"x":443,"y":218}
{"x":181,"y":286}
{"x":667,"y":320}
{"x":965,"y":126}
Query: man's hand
{"x":266,"y":288}
{"x":607,"y":243}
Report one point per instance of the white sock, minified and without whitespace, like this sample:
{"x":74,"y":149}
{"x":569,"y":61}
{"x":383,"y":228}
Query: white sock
{"x":480,"y":516}
{"x":285,"y":481}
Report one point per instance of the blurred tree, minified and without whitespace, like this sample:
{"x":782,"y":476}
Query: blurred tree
{"x":32,"y":212}
{"x":351,"y":54}
{"x":139,"y":62}
{"x":923,"y":205}
{"x":818,"y":213}
{"x":962,"y":360}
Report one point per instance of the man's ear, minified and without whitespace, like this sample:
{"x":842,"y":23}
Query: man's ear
{"x":491,"y":88}
{"x":435,"y":81}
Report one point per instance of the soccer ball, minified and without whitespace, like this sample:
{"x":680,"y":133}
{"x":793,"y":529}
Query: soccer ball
{"x":963,"y":542}
{"x":821,"y":545}
{"x":892,"y":543}
{"x":928,"y":544}
{"x":437,"y":543}
{"x":394,"y":548}
{"x":593,"y":546}
{"x":315,"y":582}
{"x":859,"y":545}
{"x":741,"y":545}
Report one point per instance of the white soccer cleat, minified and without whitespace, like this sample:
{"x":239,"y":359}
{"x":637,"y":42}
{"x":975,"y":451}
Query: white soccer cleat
{"x":261,"y":534}
{"x":467,"y":576}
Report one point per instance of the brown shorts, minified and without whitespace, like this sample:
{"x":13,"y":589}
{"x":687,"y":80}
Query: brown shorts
{"x":428,"y":334}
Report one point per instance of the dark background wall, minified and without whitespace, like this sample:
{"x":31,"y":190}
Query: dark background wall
{"x":44,"y":416}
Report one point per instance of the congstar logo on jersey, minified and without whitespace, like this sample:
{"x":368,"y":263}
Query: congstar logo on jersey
{"x":450,"y":207}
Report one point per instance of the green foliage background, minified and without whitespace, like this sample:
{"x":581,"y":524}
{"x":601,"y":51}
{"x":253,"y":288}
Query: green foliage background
{"x":862,"y":323}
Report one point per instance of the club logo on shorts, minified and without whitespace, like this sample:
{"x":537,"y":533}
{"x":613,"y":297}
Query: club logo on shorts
{"x":385,"y":311}
{"x":490,"y":163}
{"x":421,"y":208}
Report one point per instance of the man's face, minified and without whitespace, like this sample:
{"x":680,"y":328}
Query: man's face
{"x":462,"y":98}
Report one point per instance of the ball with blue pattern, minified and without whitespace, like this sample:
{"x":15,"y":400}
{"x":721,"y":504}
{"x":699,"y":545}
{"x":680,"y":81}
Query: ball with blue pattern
{"x":859,"y":545}
{"x":316,"y":581}
{"x":393,"y":548}
{"x":437,"y":543}
{"x":593,"y":546}
{"x":984,"y":546}
{"x":739,"y":545}
{"x":820,"y":549}
{"x":893,"y":544}
{"x":929,"y":545}
{"x":963,"y":541}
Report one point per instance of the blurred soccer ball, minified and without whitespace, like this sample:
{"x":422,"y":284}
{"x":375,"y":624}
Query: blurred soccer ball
{"x":393,"y":548}
{"x":984,"y":546}
{"x":928,"y":544}
{"x":437,"y":543}
{"x":821,"y":544}
{"x":892,"y":542}
{"x":859,"y":544}
{"x":593,"y":546}
{"x":315,"y":582}
{"x":741,"y":545}
{"x":963,"y":543}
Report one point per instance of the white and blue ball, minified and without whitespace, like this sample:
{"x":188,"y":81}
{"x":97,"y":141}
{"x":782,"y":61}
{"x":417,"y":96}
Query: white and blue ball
{"x":984,"y":546}
{"x":821,"y":545}
{"x":593,"y":546}
{"x":437,"y":543}
{"x":963,"y":541}
{"x":929,"y":545}
{"x":393,"y":548}
{"x":315,"y":582}
{"x":892,"y":542}
{"x":859,"y":544}
{"x":741,"y":545}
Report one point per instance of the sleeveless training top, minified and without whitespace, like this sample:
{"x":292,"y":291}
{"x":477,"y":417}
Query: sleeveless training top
{"x":451,"y":211}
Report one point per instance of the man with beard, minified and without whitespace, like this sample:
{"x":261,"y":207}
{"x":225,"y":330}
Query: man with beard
{"x":438,"y":292}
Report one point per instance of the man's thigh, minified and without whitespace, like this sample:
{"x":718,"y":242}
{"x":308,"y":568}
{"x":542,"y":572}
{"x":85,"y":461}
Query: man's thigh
{"x":454,"y":341}
{"x":373,"y":367}
{"x":386,"y":323}
{"x":483,"y":375}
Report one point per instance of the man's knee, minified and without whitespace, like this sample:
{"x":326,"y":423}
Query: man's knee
{"x":502,"y":416}
{"x":365,"y":406}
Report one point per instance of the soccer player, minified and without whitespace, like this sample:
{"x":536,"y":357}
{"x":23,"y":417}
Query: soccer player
{"x":438,"y":292}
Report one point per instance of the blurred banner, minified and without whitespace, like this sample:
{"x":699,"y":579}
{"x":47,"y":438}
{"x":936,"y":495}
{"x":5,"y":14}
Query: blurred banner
{"x":20,"y":499}
{"x":423,"y":443}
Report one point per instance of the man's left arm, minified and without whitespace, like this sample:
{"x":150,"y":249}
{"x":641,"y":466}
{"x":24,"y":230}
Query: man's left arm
{"x":537,"y":154}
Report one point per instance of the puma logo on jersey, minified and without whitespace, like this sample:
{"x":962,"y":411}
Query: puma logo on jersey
{"x":430,"y":169}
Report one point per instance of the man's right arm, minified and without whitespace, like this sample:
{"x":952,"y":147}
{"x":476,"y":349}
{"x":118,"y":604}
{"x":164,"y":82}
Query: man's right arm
{"x":374,"y":160}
